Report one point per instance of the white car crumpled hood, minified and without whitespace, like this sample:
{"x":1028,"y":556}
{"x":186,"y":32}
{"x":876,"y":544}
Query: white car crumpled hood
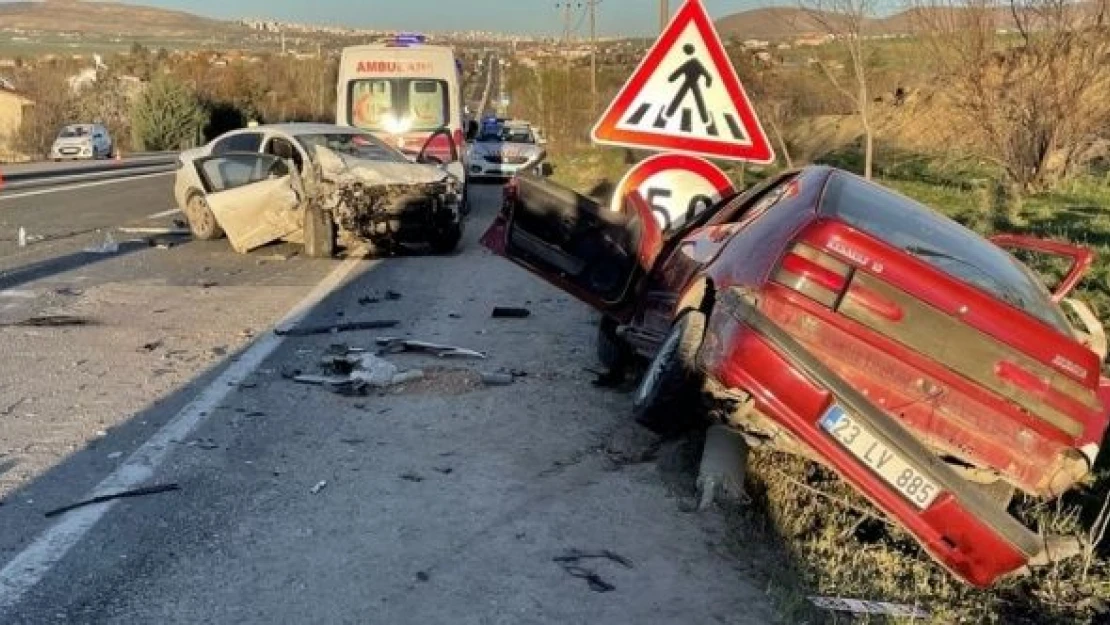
{"x":341,"y":168}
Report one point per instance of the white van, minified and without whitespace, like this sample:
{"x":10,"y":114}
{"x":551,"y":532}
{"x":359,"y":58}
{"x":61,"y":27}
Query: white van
{"x":401,"y":92}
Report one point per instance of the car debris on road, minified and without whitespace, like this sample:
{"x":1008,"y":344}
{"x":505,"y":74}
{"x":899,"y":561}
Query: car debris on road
{"x":336,"y":328}
{"x":394,"y":345}
{"x":502,"y":312}
{"x":857,"y":606}
{"x":109,"y":246}
{"x":137,"y":492}
{"x":354,"y":373}
{"x":571,"y":563}
{"x":52,"y":321}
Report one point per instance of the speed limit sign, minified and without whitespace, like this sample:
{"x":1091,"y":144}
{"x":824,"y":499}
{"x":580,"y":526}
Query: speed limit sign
{"x":678,"y":187}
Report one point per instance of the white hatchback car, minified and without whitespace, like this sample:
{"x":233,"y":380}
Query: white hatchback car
{"x":82,"y":141}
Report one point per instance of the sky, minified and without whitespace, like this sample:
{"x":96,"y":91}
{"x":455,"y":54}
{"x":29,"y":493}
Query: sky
{"x":615,"y":17}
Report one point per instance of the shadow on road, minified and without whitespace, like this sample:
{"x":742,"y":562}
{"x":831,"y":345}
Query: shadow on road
{"x":61,"y":264}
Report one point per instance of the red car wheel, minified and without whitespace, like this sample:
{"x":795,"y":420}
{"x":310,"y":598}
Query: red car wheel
{"x":667,"y":400}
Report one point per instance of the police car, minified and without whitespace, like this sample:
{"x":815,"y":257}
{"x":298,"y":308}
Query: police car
{"x":504,"y":147}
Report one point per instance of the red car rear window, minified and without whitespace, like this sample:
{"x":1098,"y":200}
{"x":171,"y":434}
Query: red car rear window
{"x":941,"y":242}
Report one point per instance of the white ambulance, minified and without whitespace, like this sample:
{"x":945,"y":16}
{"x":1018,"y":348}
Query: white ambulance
{"x":402,"y":92}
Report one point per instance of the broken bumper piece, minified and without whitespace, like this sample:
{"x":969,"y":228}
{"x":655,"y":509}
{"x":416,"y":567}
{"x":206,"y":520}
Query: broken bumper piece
{"x":958,"y":524}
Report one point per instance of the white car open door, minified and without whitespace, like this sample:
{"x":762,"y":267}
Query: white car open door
{"x":440,"y":149}
{"x":255,"y":198}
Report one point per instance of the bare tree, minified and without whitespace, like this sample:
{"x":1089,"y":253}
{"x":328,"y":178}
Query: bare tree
{"x":1030,"y":76}
{"x":845,"y":21}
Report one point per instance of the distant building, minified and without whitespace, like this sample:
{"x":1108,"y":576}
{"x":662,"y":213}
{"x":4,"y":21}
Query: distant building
{"x":813,"y":40}
{"x":14,"y":108}
{"x":82,"y":80}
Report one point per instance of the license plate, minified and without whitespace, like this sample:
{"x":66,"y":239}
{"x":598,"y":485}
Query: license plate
{"x":907,"y":480}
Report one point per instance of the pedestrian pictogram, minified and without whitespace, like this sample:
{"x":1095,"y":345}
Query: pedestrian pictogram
{"x":686,"y":97}
{"x":677,"y":187}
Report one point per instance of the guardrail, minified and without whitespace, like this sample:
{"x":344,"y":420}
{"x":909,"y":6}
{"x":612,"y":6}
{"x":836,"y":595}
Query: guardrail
{"x":29,"y":175}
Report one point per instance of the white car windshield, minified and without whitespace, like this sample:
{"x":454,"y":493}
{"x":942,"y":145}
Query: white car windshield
{"x":357,"y":145}
{"x":74,"y":131}
{"x":517,"y":135}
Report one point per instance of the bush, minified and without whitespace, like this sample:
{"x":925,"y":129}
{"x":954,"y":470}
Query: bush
{"x":168,"y":116}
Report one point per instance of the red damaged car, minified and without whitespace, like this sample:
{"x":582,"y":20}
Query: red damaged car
{"x":929,"y":368}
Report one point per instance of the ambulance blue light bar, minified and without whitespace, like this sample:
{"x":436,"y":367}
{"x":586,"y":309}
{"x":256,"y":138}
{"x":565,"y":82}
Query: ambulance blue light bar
{"x":408,"y":39}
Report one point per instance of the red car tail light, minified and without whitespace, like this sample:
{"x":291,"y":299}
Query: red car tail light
{"x":814,"y":274}
{"x":1022,"y":378}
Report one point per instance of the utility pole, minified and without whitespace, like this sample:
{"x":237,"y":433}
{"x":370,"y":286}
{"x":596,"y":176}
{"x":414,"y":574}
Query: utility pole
{"x":566,"y":22}
{"x":664,"y":14}
{"x":593,"y":53}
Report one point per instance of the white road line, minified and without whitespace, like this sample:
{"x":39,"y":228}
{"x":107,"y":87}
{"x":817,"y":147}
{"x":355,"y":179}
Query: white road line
{"x":17,"y":194}
{"x":32,"y":564}
{"x":162,"y":214}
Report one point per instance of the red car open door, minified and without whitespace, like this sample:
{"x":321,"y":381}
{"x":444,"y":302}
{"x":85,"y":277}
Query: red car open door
{"x":574,"y":243}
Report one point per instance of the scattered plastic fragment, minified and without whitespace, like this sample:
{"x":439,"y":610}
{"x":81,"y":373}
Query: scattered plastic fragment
{"x":857,"y":606}
{"x":498,"y":379}
{"x":394,"y":345}
{"x":109,"y":246}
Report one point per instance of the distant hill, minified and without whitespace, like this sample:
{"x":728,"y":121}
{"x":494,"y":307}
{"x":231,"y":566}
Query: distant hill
{"x":108,"y":18}
{"x":786,"y":22}
{"x":768,"y":23}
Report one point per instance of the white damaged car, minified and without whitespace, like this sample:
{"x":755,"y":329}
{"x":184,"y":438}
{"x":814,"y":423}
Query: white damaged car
{"x":323,"y":186}
{"x":503,"y":149}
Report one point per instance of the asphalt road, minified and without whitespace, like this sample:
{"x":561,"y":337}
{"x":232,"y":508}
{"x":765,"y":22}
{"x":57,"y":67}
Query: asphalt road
{"x":442,"y":500}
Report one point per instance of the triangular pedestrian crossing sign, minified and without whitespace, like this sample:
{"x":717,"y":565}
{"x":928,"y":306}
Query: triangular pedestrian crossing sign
{"x":685,"y":97}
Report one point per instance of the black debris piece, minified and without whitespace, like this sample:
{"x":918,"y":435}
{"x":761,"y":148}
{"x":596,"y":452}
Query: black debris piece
{"x":151,"y":346}
{"x":502,"y":312}
{"x":593,"y":579}
{"x":138,"y":492}
{"x":571,"y":559}
{"x":335,"y":328}
{"x":53,"y":321}
{"x":393,"y":296}
{"x":412,"y":477}
{"x":574,"y":556}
